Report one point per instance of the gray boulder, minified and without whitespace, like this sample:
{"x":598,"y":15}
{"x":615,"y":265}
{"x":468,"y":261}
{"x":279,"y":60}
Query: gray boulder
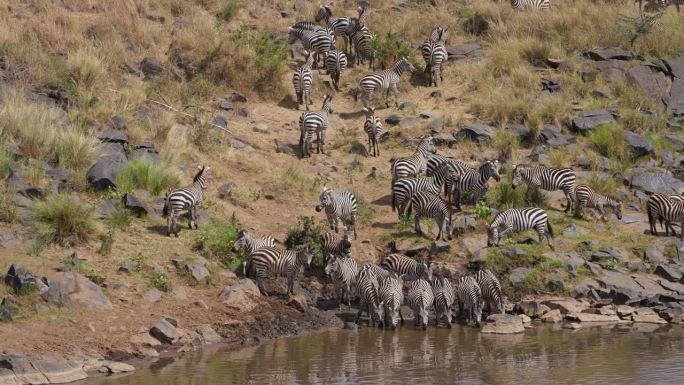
{"x":393,"y":119}
{"x":640,"y":145}
{"x":241,"y":296}
{"x":669,"y":272}
{"x":518,"y":275}
{"x":151,"y":67}
{"x":479,"y":133}
{"x":21,"y":280}
{"x":655,"y":84}
{"x":588,"y":121}
{"x":90,"y":295}
{"x":470,"y":50}
{"x":209,"y":335}
{"x":113,"y":136}
{"x":522,"y":131}
{"x":532,"y":309}
{"x":656,"y":182}
{"x":102,"y":174}
{"x":165,"y":332}
{"x":138,"y":206}
{"x":609,"y":53}
{"x":676,"y":102}
{"x":551,"y":134}
{"x":503,"y":324}
{"x":105,"y":209}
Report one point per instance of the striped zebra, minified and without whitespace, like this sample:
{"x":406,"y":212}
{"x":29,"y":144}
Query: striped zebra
{"x":408,"y":268}
{"x":658,"y":4}
{"x":404,"y":188}
{"x":469,"y":297}
{"x":420,"y":299}
{"x":303,"y":80}
{"x":545,"y":178}
{"x":335,"y":63}
{"x":391,"y":296}
{"x":415,"y":164}
{"x":373,"y":128}
{"x":386,"y":81}
{"x":473,"y":182}
{"x":367,"y":284}
{"x":343,"y":272}
{"x":434,"y":53}
{"x":665,"y":208}
{"x":445,"y":296}
{"x":185,"y":199}
{"x":585,"y":196}
{"x":530,"y":4}
{"x":311,"y":122}
{"x":338,"y":24}
{"x":363,"y":49}
{"x":490,"y":287}
{"x":356,"y":24}
{"x":427,"y":204}
{"x":339,"y":206}
{"x":317,"y":41}
{"x":279,"y":262}
{"x":334,"y":246}
{"x":250,"y":242}
{"x":518,"y":220}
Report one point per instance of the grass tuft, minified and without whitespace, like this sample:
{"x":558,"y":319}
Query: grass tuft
{"x":146,"y":175}
{"x":62,"y":219}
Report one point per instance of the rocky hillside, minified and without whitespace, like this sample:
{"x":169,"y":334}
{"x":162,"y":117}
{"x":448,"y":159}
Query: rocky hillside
{"x":104,"y":106}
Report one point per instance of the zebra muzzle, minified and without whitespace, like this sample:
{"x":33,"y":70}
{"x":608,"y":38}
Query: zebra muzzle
{"x":318,"y":208}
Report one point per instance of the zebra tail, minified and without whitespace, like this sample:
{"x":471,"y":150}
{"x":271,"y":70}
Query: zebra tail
{"x":165,"y":211}
{"x":394,"y":202}
{"x":548,"y":225}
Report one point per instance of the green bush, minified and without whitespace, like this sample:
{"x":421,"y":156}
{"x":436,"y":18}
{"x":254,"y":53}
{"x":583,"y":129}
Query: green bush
{"x":268,"y":58}
{"x":601,"y":185}
{"x":62,"y":219}
{"x":120,"y":220}
{"x":306,"y":233}
{"x":215,"y":239}
{"x":161,"y":281}
{"x":388,"y":47}
{"x":146,"y":175}
{"x":106,"y":243}
{"x":609,"y":141}
{"x":482,"y":211}
{"x":503,"y":196}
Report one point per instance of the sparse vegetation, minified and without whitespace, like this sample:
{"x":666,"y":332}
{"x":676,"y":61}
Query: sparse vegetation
{"x":215,"y":239}
{"x":146,"y":175}
{"x":388,"y":47}
{"x":307,"y":233}
{"x":62,"y":219}
{"x":482,"y":211}
{"x":160,"y":281}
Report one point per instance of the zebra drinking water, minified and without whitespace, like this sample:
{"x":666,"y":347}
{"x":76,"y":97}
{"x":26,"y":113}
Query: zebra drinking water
{"x":445,"y":296}
{"x":469,"y":298}
{"x":185,"y":199}
{"x":343,"y":272}
{"x":407,"y":268}
{"x":367,"y":284}
{"x":311,"y":122}
{"x":518,"y":220}
{"x":490,"y":287}
{"x":391,"y":296}
{"x":421,"y":299}
{"x":339,"y":206}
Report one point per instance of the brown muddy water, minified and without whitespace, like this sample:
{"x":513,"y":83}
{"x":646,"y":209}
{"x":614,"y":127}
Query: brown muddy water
{"x":644,"y":354}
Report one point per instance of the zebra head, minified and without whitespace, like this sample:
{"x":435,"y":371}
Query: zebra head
{"x":377,"y":312}
{"x":324,"y":13}
{"x":369,"y":111}
{"x":436,"y":33}
{"x":327,"y":103}
{"x":332,"y":266}
{"x":423,"y":271}
{"x":493,"y":235}
{"x":427,"y":145}
{"x":201,"y":176}
{"x":490,"y":169}
{"x":241,"y":241}
{"x":617,"y":209}
{"x":305,"y":256}
{"x":516,"y":177}
{"x":405,"y":65}
{"x":293,"y":34}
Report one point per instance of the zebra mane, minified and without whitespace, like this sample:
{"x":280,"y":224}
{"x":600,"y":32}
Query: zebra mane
{"x":199,"y":173}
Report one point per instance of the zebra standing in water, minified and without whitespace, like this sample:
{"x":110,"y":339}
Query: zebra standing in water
{"x":517,"y":220}
{"x":334,"y":246}
{"x":444,"y":298}
{"x":474,"y":182}
{"x":530,"y":4}
{"x":585,"y":196}
{"x":316,"y":122}
{"x":185,"y":199}
{"x":317,"y":41}
{"x":373,"y":128}
{"x":343,"y":272}
{"x":303,"y":80}
{"x":545,"y":178}
{"x":391,"y":296}
{"x":367,"y":284}
{"x":406,"y":267}
{"x":335,"y":63}
{"x":339,"y":25}
{"x":404,"y":189}
{"x":434,"y":53}
{"x":251,"y":242}
{"x":339,"y":206}
{"x":278,"y":262}
{"x":420,"y":299}
{"x":385,"y":80}
{"x":469,"y":298}
{"x":432,"y":206}
{"x":490,"y":287}
{"x":416,"y":164}
{"x":670,"y":209}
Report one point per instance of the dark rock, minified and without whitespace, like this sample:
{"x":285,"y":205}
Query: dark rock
{"x":609,"y":53}
{"x":138,"y":206}
{"x":20,"y":280}
{"x":102,"y":174}
{"x":436,"y":125}
{"x":518,"y":275}
{"x":241,"y":296}
{"x":552,"y":135}
{"x":225,"y":190}
{"x":151,"y":67}
{"x":9,"y":239}
{"x":655,"y":182}
{"x":406,"y":106}
{"x":221,"y":121}
{"x":8,"y":313}
{"x":560,"y":64}
{"x":538,"y":153}
{"x":532,"y":309}
{"x":656,"y":85}
{"x":464,"y":223}
{"x":237,"y":97}
{"x":286,"y":148}
{"x":479,"y":133}
{"x":522,"y":131}
{"x":571,"y":231}
{"x":655,"y":254}
{"x":113,"y":136}
{"x":604,"y":92}
{"x":226,"y":105}
{"x":670,"y":273}
{"x":471,"y":50}
{"x":676,"y":103}
{"x":32,"y":193}
{"x":349,"y":325}
{"x":588,"y":74}
{"x":587,"y":121}
{"x":640,"y":145}
{"x":90,"y":294}
{"x":393,"y":119}
{"x":445,"y":140}
{"x":119,"y":122}
{"x":131,"y":67}
{"x":164,"y":331}
{"x":550,"y":85}
{"x":145,"y":153}
{"x":105,"y":209}
{"x":436,"y":94}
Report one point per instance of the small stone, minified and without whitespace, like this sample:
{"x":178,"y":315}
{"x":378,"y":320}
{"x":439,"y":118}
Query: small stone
{"x":261,"y":128}
{"x":226,"y":105}
{"x":554,"y":316}
{"x":151,"y":67}
{"x":119,"y":367}
{"x":518,"y":275}
{"x":201,"y":304}
{"x":164,"y":331}
{"x":349,"y":326}
{"x":572,"y":326}
{"x":503,"y":324}
{"x":153,"y":295}
{"x":209,"y":335}
{"x":525,"y":319}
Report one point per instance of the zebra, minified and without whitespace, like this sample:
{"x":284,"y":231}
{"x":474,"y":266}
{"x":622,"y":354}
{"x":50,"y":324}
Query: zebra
{"x":373,"y":128}
{"x":670,"y":209}
{"x":186,"y":199}
{"x":317,"y":41}
{"x":432,"y":206}
{"x":658,"y":4}
{"x":490,"y":287}
{"x":343,"y":272}
{"x":404,"y":188}
{"x":474,"y":182}
{"x":279,"y":262}
{"x":303,"y":80}
{"x":311,"y":122}
{"x":363,"y":49}
{"x":517,"y":220}
{"x":530,"y":4}
{"x":585,"y":196}
{"x":385,"y":80}
{"x":367,"y":284}
{"x":434,"y":53}
{"x":415,"y":164}
{"x":335,"y":63}
{"x":391,"y":296}
{"x":420,"y":299}
{"x":549,"y":179}
{"x":339,"y":206}
{"x":445,"y":296}
{"x":334,"y":246}
{"x":406,"y":267}
{"x":469,"y":297}
{"x":339,"y":25}
{"x":355,"y":25}
{"x":250,"y":243}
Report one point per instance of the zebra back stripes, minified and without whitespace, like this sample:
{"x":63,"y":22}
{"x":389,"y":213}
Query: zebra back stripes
{"x":434,"y":53}
{"x":335,"y":63}
{"x":185,"y":199}
{"x":340,"y":25}
{"x":303,"y":81}
{"x":421,"y":299}
{"x":545,"y":178}
{"x":339,"y":206}
{"x":385,"y":80}
{"x":416,"y":164}
{"x":334,"y":246}
{"x":275,"y":261}
{"x":445,"y":296}
{"x":344,"y":272}
{"x":430,"y":205}
{"x":670,"y":209}
{"x":490,"y":288}
{"x":317,"y":41}
{"x":518,"y":220}
{"x":469,"y":298}
{"x":250,"y":242}
{"x":474,"y":182}
{"x":362,"y":47}
{"x":406,"y":267}
{"x":585,"y":196}
{"x":391,"y":296}
{"x":404,"y":188}
{"x":373,"y":128}
{"x":311,"y":122}
{"x":367,"y":284}
{"x":530,"y":4}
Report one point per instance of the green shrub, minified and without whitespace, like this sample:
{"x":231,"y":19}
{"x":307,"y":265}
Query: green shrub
{"x":106,"y":243}
{"x":306,"y":233}
{"x":161,"y":281}
{"x":62,"y":219}
{"x":269,"y":59}
{"x":503,"y":196}
{"x":482,"y":211}
{"x":609,"y":141}
{"x":120,"y":220}
{"x":215,"y":239}
{"x":227,"y":12}
{"x":146,"y":175}
{"x":601,"y":185}
{"x":388,"y":47}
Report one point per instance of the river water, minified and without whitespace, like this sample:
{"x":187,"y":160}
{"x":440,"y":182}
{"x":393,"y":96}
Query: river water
{"x":622,"y":355}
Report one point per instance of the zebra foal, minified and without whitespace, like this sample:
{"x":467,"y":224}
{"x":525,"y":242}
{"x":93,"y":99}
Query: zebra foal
{"x":585,"y":196}
{"x":185,"y":199}
{"x":373,"y":128}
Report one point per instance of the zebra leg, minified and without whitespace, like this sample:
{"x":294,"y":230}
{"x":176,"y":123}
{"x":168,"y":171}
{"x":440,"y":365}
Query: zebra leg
{"x":339,"y":295}
{"x":395,"y":91}
{"x":353,"y":224}
{"x":416,"y":225}
{"x":260,"y":284}
{"x":599,"y":208}
{"x":318,"y":142}
{"x":169,"y":222}
{"x":441,"y":230}
{"x":401,"y":316}
{"x":321,"y":142}
{"x":375,"y":143}
{"x":387,"y":98}
{"x":458,"y":199}
{"x":570,"y":203}
{"x":290,"y":283}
